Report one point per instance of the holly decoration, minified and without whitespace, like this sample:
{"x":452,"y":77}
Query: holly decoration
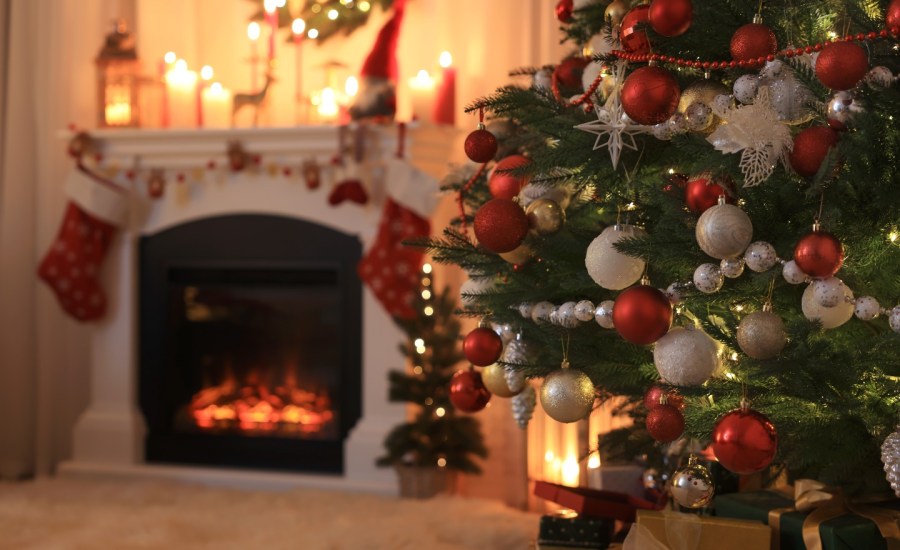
{"x":744,"y":441}
{"x":467,"y":392}
{"x":841,"y":65}
{"x":501,"y":225}
{"x":811,"y":146}
{"x":819,"y":254}
{"x":671,"y":17}
{"x":650,"y":95}
{"x":642,"y":314}
{"x":482,"y":347}
{"x":481,"y":145}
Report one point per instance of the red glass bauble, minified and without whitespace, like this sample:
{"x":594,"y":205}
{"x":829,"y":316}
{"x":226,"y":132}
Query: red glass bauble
{"x":671,"y":17}
{"x":752,"y":41}
{"x":665,"y":423}
{"x":655,"y":393}
{"x":467,"y":391}
{"x":841,"y":65}
{"x":744,"y":441}
{"x":642,"y":314}
{"x":650,"y":95}
{"x":564,"y":9}
{"x":702,"y":193}
{"x":892,"y":18}
{"x":501,"y":225}
{"x":570,"y":70}
{"x":481,"y":146}
{"x":819,"y":254}
{"x":503,"y":184}
{"x":632,"y":38}
{"x":482,"y":347}
{"x":811,"y":146}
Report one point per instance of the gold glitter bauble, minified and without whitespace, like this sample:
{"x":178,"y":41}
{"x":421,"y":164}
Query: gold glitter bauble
{"x":761,"y":335}
{"x":567,"y":395}
{"x":706,"y":92}
{"x":545,"y":216}
{"x":616,"y":11}
{"x":518,"y":256}
{"x":692,"y":486}
{"x":494,"y":379}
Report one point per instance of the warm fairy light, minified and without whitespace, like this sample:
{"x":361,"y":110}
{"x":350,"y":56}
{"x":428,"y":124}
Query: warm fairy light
{"x":445,"y":59}
{"x":170,"y":57}
{"x":253,"y":31}
{"x":280,"y":3}
{"x":351,"y":86}
{"x":426,"y":268}
{"x":631,"y":206}
{"x":332,"y":14}
{"x":442,"y":462}
{"x":440,"y":412}
{"x":364,"y":6}
{"x":428,"y":311}
{"x":417,"y":370}
{"x":570,"y":471}
{"x":893,"y":236}
{"x":548,"y":456}
{"x":426,"y":281}
{"x":206,"y":72}
{"x":316,"y":8}
{"x":419,"y":342}
{"x":594,"y":461}
{"x":270,"y":6}
{"x":832,"y":35}
{"x":421,"y":350}
{"x":730,"y":376}
{"x":739,"y":308}
{"x":298,"y":26}
{"x":426,"y":294}
{"x":671,"y":171}
{"x":312,"y":34}
{"x":734,"y":356}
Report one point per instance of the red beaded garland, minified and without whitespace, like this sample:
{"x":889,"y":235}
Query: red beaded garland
{"x":752,"y":41}
{"x":501,"y":225}
{"x":650,"y":95}
{"x":841,"y":65}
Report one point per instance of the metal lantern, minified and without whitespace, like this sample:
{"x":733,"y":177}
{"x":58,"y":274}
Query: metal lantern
{"x":118,"y":80}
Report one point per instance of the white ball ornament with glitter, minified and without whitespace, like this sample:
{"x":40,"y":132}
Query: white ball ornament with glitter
{"x":604,"y":314}
{"x":662,"y":132}
{"x":699,"y":116}
{"x":880,"y":77}
{"x":793,"y":274}
{"x":674,"y":293}
{"x":894,"y":319}
{"x":686,"y":356}
{"x":828,"y":292}
{"x":708,"y":278}
{"x":745,"y":88}
{"x":732,"y":267}
{"x":760,"y":256}
{"x":829,"y":317}
{"x":608,"y":267}
{"x":584,"y":310}
{"x":565,"y":315}
{"x":525,"y":309}
{"x":724,"y":231}
{"x":677,"y":124}
{"x":867,"y":308}
{"x":540,"y":313}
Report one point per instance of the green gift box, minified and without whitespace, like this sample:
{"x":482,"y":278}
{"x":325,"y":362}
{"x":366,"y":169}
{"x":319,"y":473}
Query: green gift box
{"x":845,"y":532}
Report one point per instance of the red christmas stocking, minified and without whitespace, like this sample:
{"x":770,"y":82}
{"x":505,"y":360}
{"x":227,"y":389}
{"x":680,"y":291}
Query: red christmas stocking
{"x":348,"y":190}
{"x":71,"y":267}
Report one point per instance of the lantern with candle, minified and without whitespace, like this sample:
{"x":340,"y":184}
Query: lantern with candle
{"x":118,"y":80}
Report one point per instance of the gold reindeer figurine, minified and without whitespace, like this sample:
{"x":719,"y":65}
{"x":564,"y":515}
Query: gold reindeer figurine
{"x":256,"y":100}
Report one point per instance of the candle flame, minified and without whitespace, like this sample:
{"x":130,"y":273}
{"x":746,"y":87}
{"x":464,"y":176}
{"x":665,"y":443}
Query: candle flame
{"x":253,"y":31}
{"x":570,"y":471}
{"x":206,"y":72}
{"x":170,"y":57}
{"x":446,"y":59}
{"x":351,"y":87}
{"x":181,"y":65}
{"x":216,"y":87}
{"x":280,"y":3}
{"x":594,"y":461}
{"x":298,"y":26}
{"x":328,"y":106}
{"x":270,"y":6}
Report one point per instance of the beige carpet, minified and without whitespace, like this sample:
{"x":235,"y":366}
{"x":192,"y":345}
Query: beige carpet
{"x":76,"y":514}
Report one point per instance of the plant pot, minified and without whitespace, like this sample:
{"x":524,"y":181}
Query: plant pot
{"x":425,"y":481}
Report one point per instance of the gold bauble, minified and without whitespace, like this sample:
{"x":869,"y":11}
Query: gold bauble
{"x":692,"y":486}
{"x":545,"y":216}
{"x":761,"y":334}
{"x":616,"y":11}
{"x":704,"y":91}
{"x":567,"y":395}
{"x":494,"y":379}
{"x":519,"y":256}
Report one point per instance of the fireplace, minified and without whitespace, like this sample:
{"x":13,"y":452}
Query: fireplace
{"x":250,"y":332}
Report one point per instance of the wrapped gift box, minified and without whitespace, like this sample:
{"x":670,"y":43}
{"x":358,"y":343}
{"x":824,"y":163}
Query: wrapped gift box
{"x":574,"y":532}
{"x":626,"y":479}
{"x":592,"y":502}
{"x":847,"y":532}
{"x":678,"y":531}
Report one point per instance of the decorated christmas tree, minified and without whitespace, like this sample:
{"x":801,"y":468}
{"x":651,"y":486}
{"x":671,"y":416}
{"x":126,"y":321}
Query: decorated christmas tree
{"x":702,"y":216}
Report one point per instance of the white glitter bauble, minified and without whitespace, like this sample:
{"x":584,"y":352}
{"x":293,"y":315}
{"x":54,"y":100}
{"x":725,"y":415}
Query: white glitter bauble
{"x":894,"y":319}
{"x":523,"y":406}
{"x":828,"y":292}
{"x":760,"y":256}
{"x":542,"y":80}
{"x":792,"y":273}
{"x":867,"y":308}
{"x":761,"y":335}
{"x":890,"y":455}
{"x":673,"y":293}
{"x":525,"y":309}
{"x":745,"y":88}
{"x":677,"y":124}
{"x":732,"y":267}
{"x":567,"y":395}
{"x":565,"y":315}
{"x":699,"y":116}
{"x":584,"y":310}
{"x":608,"y":267}
{"x":554,"y":315}
{"x":470,"y":290}
{"x":662,"y":131}
{"x":540,"y":313}
{"x":724,"y":231}
{"x":708,"y":278}
{"x":829,"y":317}
{"x":686,"y":357}
{"x":604,"y":314}
{"x":880,"y":77}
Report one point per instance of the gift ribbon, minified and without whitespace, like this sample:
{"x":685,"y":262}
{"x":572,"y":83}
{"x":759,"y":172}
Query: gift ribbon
{"x":825,"y":503}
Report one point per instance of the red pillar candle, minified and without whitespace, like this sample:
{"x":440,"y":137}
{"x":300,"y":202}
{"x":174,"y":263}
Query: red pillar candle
{"x":253,"y":32}
{"x":445,"y":103}
{"x":272,"y":18}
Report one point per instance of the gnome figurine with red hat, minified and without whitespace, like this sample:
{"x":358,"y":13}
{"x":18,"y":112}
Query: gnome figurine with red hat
{"x":379,"y":74}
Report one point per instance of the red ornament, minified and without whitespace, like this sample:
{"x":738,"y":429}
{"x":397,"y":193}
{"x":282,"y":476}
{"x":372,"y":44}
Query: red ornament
{"x":819,"y":254}
{"x":655,"y":393}
{"x":564,"y":9}
{"x":501,"y":225}
{"x":702,"y":193}
{"x":665,"y":423}
{"x":467,"y":391}
{"x":752,"y":41}
{"x":642,"y":314}
{"x":650,"y":95}
{"x":671,"y":17}
{"x":568,"y":73}
{"x":633,"y":39}
{"x":503,"y":184}
{"x":811,"y":146}
{"x":482,"y":347}
{"x":892,"y":16}
{"x":841,"y":65}
{"x":481,"y":146}
{"x":744,"y":441}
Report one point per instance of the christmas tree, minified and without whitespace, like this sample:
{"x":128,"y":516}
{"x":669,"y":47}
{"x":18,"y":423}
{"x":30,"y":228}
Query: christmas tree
{"x":702,"y":217}
{"x":436,"y":435}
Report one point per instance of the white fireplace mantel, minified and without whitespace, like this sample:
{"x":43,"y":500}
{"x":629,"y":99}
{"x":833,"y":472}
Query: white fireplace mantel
{"x":108,"y":437}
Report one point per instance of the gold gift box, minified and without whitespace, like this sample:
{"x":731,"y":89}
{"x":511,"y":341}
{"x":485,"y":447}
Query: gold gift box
{"x":692,"y":532}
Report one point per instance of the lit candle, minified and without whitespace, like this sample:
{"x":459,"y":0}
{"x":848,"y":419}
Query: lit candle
{"x":253,"y":32}
{"x":206,"y":74}
{"x":445,"y":104}
{"x":421,"y":91}
{"x":181,"y":86}
{"x":216,"y":106}
{"x":118,"y":113}
{"x":164,"y":66}
{"x":351,"y":88}
{"x":298,"y":27}
{"x":328,"y":108}
{"x":271,"y":9}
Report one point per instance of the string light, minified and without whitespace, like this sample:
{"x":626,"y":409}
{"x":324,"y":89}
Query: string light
{"x":206,"y":72}
{"x":253,"y":31}
{"x":428,"y":311}
{"x":442,"y":462}
{"x":548,"y":456}
{"x":364,"y":6}
{"x":417,"y":370}
{"x":426,"y":268}
{"x":440,"y":412}
{"x":312,"y":34}
{"x":298,"y":26}
{"x":893,"y":236}
{"x":426,"y":294}
{"x":332,"y":14}
{"x":426,"y":281}
{"x":170,"y":57}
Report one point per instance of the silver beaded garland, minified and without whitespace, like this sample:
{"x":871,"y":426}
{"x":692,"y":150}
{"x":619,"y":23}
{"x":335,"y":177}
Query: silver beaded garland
{"x":867,"y":308}
{"x":584,"y":310}
{"x":604,"y":314}
{"x":565,"y":315}
{"x":525,"y":309}
{"x":760,"y":256}
{"x":540,"y":313}
{"x":792,"y":273}
{"x":880,"y":77}
{"x":895,"y":319}
{"x":828,"y":292}
{"x":708,"y":278}
{"x":745,"y":88}
{"x":732,"y":267}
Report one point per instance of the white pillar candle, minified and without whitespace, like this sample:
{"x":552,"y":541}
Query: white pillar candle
{"x":216,"y":106}
{"x":181,"y":87}
{"x":421,"y":93}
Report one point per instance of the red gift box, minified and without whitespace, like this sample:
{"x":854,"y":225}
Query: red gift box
{"x":593,"y":502}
